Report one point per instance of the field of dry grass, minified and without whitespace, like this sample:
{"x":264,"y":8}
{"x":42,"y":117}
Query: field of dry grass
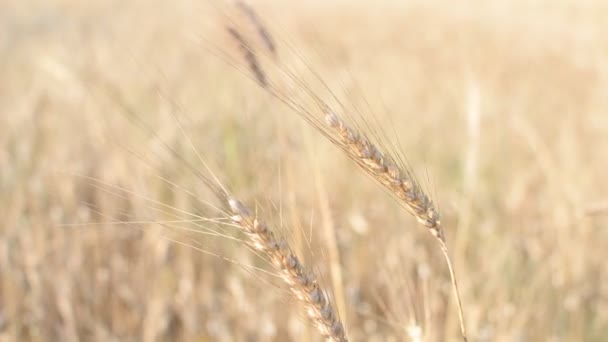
{"x":108,"y":234}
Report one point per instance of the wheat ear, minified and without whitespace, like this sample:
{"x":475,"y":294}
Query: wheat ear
{"x":397,"y":181}
{"x":302,"y":283}
{"x":384,"y":170}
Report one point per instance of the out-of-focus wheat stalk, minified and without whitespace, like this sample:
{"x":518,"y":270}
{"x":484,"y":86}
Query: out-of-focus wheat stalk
{"x":261,"y":29}
{"x":252,"y":61}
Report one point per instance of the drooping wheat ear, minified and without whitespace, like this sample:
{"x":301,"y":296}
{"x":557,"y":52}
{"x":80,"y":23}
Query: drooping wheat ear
{"x":386,"y":171}
{"x":398,"y":181}
{"x":255,"y":20}
{"x":252,"y":61}
{"x":302,"y":283}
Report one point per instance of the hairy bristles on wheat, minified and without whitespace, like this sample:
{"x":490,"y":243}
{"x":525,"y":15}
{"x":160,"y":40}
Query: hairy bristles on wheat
{"x":397,"y":181}
{"x":380,"y":166}
{"x":302,"y":283}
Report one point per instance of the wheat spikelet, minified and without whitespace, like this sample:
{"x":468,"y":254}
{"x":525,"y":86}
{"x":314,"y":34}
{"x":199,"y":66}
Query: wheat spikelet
{"x":302,"y":283}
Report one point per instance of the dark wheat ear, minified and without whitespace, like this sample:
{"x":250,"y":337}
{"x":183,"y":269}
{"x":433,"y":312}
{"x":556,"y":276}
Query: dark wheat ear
{"x":252,"y":61}
{"x":255,"y":20}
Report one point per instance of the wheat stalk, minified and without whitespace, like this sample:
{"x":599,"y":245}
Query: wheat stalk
{"x":399,"y":182}
{"x":302,"y":283}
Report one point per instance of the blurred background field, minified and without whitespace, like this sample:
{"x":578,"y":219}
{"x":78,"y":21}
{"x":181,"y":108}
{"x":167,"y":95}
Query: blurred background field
{"x":501,"y":108}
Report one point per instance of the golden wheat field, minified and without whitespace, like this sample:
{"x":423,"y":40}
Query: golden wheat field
{"x":220,"y":171}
